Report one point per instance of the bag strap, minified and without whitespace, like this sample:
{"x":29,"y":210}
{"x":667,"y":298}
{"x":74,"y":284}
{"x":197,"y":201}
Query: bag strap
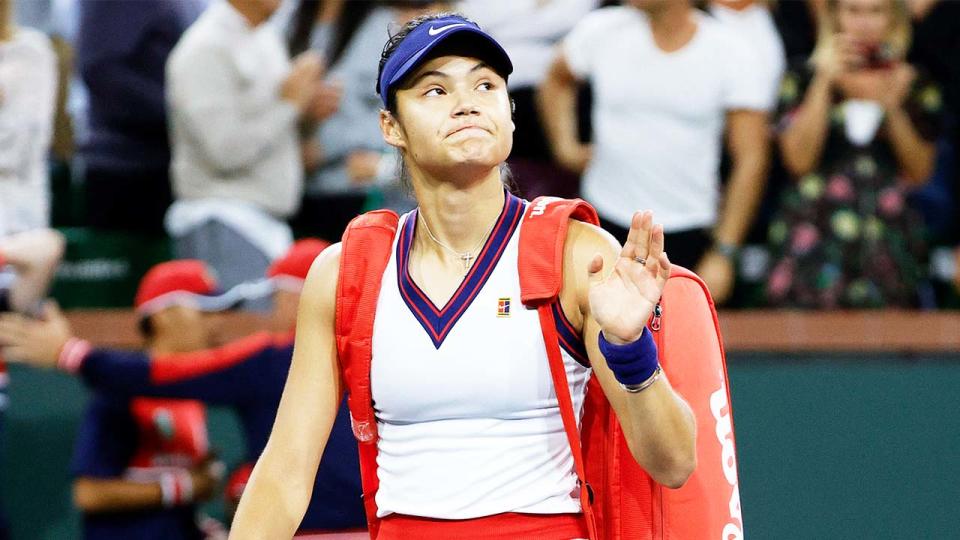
{"x":540,"y":262}
{"x":565,"y":401}
{"x":365,"y":252}
{"x":542,"y":236}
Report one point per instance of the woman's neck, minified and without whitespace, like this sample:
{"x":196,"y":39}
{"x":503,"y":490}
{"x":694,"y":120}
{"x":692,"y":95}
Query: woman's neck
{"x":672,"y":25}
{"x":459,"y":216}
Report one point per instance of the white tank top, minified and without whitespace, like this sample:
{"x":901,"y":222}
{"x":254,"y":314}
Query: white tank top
{"x":466,"y":409}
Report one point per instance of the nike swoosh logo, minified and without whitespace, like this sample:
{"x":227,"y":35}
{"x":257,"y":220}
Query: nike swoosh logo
{"x":434,"y":31}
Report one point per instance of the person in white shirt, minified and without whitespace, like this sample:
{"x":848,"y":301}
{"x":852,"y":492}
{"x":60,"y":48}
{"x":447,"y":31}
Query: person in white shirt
{"x":753,"y":22}
{"x":529,"y":31}
{"x":668,"y":81}
{"x":29,"y":251}
{"x":28,"y":86}
{"x":235,"y":102}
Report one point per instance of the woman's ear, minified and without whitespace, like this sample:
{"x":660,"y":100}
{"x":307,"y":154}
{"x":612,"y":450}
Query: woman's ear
{"x":391,"y":130}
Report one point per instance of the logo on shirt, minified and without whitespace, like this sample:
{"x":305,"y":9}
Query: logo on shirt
{"x":503,"y":307}
{"x":434,"y":31}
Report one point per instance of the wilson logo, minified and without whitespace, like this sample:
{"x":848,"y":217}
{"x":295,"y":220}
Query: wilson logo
{"x":720,"y":408}
{"x":541,"y":206}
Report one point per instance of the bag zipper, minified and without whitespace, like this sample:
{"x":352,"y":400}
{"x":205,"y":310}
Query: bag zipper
{"x":657,"y":315}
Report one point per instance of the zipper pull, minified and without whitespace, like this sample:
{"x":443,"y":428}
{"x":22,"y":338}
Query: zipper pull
{"x":657,"y":314}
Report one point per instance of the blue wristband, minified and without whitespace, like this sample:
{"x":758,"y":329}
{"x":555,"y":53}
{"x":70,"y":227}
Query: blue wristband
{"x":631,"y":363}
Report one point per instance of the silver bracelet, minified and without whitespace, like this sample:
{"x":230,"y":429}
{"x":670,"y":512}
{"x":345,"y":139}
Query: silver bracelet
{"x":637,"y":388}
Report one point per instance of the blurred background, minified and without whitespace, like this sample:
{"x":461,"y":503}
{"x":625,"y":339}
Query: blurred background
{"x":802,"y":155}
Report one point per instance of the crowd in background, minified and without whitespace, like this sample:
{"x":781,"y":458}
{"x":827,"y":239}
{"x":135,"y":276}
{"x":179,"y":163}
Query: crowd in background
{"x":820,"y":166}
{"x":807,"y":147}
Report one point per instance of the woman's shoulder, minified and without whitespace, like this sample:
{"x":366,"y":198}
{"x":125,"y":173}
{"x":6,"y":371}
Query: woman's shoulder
{"x":324,"y":273}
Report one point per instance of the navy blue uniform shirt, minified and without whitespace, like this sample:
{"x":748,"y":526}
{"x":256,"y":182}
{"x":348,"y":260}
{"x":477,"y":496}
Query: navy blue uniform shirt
{"x":249,"y":376}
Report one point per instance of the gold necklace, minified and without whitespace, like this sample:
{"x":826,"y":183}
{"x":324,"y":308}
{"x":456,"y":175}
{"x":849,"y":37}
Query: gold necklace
{"x":467,"y":256}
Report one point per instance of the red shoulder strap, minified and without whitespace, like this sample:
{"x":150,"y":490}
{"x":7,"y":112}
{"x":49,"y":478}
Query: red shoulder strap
{"x":365,"y":251}
{"x":542,"y":237}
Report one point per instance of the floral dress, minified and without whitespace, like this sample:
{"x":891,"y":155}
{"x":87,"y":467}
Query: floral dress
{"x":843,"y":235}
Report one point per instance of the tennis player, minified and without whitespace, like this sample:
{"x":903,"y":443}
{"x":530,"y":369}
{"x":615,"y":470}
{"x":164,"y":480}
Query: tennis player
{"x":471,"y":436}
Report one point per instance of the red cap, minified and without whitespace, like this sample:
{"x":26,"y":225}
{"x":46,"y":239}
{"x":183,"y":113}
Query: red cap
{"x":296,"y":262}
{"x":183,"y":282}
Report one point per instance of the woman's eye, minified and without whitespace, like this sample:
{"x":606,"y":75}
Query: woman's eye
{"x":434,"y":92}
{"x":485,"y":86}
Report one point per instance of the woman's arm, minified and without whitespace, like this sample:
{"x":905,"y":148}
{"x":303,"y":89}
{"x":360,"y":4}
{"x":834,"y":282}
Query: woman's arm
{"x":282,"y":481}
{"x":801,"y":143}
{"x":557,"y":104}
{"x":749,"y":146}
{"x":102,"y":495}
{"x":915,"y":155}
{"x":617,"y":294}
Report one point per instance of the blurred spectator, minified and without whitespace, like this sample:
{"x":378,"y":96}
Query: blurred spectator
{"x":856,"y":127}
{"x":29,"y":252}
{"x":529,"y":30}
{"x":121,"y":52}
{"x":58,"y":19}
{"x":27,"y":263}
{"x":141,"y":464}
{"x":666,"y":81}
{"x":235,"y":103}
{"x":28,"y":87}
{"x":247,"y":375}
{"x":356,"y":164}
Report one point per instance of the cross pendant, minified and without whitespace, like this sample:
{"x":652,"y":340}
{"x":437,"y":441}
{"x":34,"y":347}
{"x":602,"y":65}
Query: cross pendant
{"x":467,"y":259}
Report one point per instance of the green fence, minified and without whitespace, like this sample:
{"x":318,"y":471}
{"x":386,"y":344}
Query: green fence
{"x":103,"y":268}
{"x":838,"y":447}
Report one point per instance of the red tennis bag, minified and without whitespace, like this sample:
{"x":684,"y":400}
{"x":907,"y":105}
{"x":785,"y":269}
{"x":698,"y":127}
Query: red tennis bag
{"x":619,"y":498}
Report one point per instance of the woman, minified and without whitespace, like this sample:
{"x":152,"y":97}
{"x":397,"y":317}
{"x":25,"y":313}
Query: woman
{"x":355,"y":166}
{"x":856,"y":130}
{"x":450,"y":406}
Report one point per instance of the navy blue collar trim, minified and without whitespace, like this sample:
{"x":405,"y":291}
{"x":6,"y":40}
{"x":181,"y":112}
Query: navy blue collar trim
{"x":570,"y":339}
{"x":439,"y":322}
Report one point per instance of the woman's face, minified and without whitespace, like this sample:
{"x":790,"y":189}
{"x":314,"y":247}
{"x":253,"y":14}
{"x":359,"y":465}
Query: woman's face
{"x":454,"y":112}
{"x":866,"y":21}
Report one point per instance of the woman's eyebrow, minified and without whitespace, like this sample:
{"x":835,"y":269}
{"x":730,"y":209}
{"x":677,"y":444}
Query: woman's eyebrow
{"x":479,"y":66}
{"x":426,"y":74}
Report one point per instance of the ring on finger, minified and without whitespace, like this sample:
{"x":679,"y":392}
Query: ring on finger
{"x":641,"y":260}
